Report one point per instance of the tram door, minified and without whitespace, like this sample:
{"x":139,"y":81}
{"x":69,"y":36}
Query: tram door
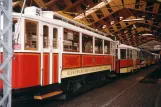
{"x":46,"y":54}
{"x":49,"y":54}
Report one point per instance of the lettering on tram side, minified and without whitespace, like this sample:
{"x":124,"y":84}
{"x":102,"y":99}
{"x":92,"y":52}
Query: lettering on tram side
{"x":79,"y":71}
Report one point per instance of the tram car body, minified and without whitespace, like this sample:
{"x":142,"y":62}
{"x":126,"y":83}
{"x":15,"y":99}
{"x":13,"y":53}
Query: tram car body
{"x":128,"y":59}
{"x":49,"y":49}
{"x":155,"y":58}
{"x":146,"y":58}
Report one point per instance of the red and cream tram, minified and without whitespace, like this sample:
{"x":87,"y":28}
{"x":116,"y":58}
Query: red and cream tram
{"x":128,"y":59}
{"x":49,"y":49}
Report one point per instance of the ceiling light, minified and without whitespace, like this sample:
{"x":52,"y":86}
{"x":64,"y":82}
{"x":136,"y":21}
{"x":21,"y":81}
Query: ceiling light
{"x":146,"y":34}
{"x":104,"y":26}
{"x":121,"y":17}
{"x":112,"y":22}
{"x":128,"y":20}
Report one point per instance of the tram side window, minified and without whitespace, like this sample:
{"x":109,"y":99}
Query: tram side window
{"x":123,"y":53}
{"x":98,"y":46}
{"x":107,"y":47}
{"x":71,"y":40}
{"x":16,"y":35}
{"x":116,"y":53}
{"x":138,"y":55}
{"x":87,"y":44}
{"x":31,"y":36}
{"x":45,"y":36}
{"x":128,"y":55}
{"x":55,"y":38}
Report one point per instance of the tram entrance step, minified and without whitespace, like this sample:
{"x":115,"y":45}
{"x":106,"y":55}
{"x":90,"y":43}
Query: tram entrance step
{"x":47,"y":95}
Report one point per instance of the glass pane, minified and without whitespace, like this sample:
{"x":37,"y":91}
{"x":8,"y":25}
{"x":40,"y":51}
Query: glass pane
{"x":71,"y":40}
{"x":98,"y":46}
{"x":87,"y":44}
{"x":107,"y":47}
{"x":55,"y":38}
{"x":123,"y":53}
{"x":116,"y":53}
{"x":30,"y":34}
{"x":128,"y":55}
{"x":45,"y":36}
{"x":16,"y":37}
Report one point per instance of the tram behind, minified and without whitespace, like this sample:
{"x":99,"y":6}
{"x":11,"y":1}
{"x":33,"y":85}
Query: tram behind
{"x":128,"y":59}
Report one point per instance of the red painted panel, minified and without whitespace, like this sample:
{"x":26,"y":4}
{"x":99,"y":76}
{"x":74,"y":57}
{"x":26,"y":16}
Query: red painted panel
{"x":99,"y":60}
{"x":55,"y":72}
{"x":88,"y":60}
{"x":71,"y":61}
{"x":138,"y":61}
{"x":46,"y":69}
{"x":108,"y":60}
{"x":112,"y":65}
{"x":117,"y":66}
{"x":26,"y":70}
{"x":126,"y":63}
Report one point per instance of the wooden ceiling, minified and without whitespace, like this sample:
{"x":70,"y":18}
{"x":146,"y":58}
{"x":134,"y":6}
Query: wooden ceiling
{"x":105,"y":15}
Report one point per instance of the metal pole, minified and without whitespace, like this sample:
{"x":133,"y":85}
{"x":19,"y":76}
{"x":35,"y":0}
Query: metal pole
{"x":6,"y":51}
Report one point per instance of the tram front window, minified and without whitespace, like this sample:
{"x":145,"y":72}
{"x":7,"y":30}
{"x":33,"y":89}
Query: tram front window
{"x":123,"y":53}
{"x":16,"y":35}
{"x":71,"y":41}
{"x":87,"y":44}
{"x":98,"y":46}
{"x":31,"y":38}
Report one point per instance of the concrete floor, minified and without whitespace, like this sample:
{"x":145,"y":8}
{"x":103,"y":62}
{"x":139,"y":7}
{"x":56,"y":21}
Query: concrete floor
{"x":124,"y":92}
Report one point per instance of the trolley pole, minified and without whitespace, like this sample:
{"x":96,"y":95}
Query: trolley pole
{"x":6,"y":52}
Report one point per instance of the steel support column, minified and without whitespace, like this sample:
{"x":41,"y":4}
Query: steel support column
{"x":6,"y":52}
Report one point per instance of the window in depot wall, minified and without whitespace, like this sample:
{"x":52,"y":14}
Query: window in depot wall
{"x":123,"y":53}
{"x":98,"y":46}
{"x":107,"y":47}
{"x":87,"y":44}
{"x":71,"y":40}
{"x":55,"y":38}
{"x":16,"y":35}
{"x":45,"y":36}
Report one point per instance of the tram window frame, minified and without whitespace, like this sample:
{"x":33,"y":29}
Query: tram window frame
{"x":16,"y":41}
{"x":100,"y":47}
{"x":35,"y":39}
{"x":55,"y":40}
{"x":72,"y":39}
{"x":116,"y":50}
{"x":87,"y":43}
{"x":128,"y":54}
{"x":138,"y":55}
{"x":46,"y":40}
{"x":125,"y":55}
{"x":108,"y":50}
